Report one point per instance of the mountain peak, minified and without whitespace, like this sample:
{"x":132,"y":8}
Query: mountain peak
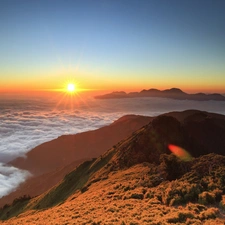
{"x":173,"y":93}
{"x":175,"y":90}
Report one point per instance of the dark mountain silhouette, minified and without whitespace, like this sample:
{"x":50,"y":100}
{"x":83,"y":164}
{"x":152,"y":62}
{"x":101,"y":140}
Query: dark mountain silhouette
{"x":140,"y":172}
{"x":173,"y":93}
{"x":199,"y":133}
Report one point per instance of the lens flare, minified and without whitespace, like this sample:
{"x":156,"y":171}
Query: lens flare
{"x":180,"y":152}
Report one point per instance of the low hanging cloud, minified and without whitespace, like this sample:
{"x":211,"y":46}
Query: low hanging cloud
{"x":11,"y":178}
{"x":19,"y":133}
{"x":26,"y":124}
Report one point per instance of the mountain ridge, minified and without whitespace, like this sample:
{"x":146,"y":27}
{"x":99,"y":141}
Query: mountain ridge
{"x":67,"y":148}
{"x":140,"y":173}
{"x":173,"y":93}
{"x":41,"y":182}
{"x":75,"y":149}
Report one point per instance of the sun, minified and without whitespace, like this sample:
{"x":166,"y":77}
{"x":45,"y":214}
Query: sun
{"x":71,"y":88}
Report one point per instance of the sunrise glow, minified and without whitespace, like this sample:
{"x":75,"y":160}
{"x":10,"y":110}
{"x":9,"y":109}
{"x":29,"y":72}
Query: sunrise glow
{"x":71,"y":88}
{"x":112,"y":112}
{"x":87,"y":60}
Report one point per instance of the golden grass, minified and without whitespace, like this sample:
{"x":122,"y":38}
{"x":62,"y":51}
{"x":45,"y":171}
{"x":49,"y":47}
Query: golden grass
{"x":122,"y":199}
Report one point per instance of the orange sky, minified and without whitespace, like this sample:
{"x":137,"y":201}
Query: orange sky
{"x":112,"y":47}
{"x":96,"y":86}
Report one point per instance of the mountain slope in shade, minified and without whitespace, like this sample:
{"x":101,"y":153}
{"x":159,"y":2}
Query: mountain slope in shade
{"x":51,"y":161}
{"x":173,"y":93}
{"x":138,"y":181}
{"x":69,"y":148}
{"x":197,"y":132}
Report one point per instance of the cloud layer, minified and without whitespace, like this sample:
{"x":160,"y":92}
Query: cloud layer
{"x":10,"y":178}
{"x":25,"y":124}
{"x":21,"y":129}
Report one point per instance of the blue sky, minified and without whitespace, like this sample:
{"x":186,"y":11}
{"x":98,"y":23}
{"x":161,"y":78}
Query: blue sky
{"x":113,"y":44}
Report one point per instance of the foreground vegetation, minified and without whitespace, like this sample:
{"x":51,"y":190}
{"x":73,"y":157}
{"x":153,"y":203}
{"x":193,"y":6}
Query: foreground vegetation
{"x":139,"y":181}
{"x":171,"y":192}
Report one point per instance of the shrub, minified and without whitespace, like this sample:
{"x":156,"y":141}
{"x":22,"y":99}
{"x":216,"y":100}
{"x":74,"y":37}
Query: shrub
{"x":5,"y":206}
{"x":222,"y":202}
{"x":207,"y":198}
{"x":180,"y":217}
{"x":197,"y":208}
{"x":210,"y":213}
{"x":96,"y":223}
{"x":84,"y":189}
{"x":179,"y":192}
{"x":177,"y":200}
{"x":173,"y":168}
{"x":21,"y":199}
{"x":137,"y":196}
{"x":192,"y":194}
{"x":218,"y":194}
{"x":127,"y":188}
{"x":149,"y":195}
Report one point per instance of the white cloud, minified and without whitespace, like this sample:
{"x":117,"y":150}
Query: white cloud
{"x":26,"y":124}
{"x":20,"y":130}
{"x":23,"y":125}
{"x":11,"y":178}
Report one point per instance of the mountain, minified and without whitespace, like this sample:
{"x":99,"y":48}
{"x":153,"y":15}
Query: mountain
{"x":173,"y":93}
{"x":69,"y":148}
{"x":51,"y":161}
{"x":138,"y":180}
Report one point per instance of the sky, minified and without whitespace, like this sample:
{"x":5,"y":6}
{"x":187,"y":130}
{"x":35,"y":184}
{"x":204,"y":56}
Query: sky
{"x":112,"y":45}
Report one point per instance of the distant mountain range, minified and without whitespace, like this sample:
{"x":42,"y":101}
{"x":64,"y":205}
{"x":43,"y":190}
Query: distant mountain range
{"x":173,"y":93}
{"x":137,"y":172}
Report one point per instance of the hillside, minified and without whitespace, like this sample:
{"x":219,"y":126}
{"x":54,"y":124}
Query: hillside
{"x":138,"y":181}
{"x":135,"y":195}
{"x":173,"y":93}
{"x":69,"y":148}
{"x":51,"y":161}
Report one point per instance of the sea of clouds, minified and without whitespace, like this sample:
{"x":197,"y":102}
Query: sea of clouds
{"x":25,"y":124}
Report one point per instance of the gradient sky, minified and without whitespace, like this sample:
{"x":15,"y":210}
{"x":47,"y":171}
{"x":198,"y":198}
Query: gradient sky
{"x":112,"y":45}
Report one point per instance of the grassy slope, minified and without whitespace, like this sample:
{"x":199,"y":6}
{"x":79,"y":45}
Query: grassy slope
{"x":138,"y":195}
{"x":136,"y":188}
{"x":72,"y":182}
{"x":60,"y":156}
